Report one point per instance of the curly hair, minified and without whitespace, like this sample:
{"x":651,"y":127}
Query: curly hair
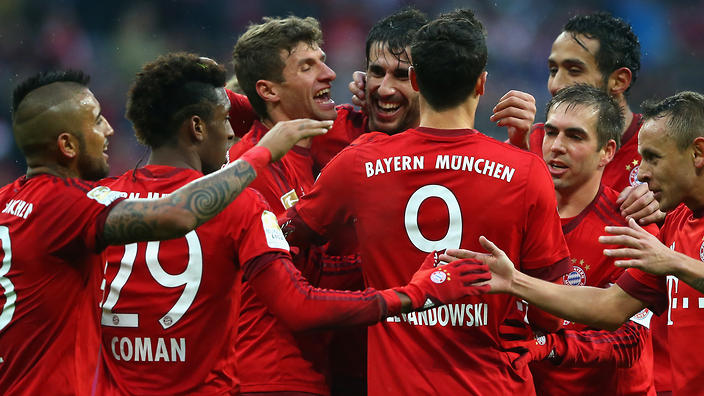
{"x":169,"y":90}
{"x":449,"y":54}
{"x":45,"y":78}
{"x":618,"y":44}
{"x":257,"y":53}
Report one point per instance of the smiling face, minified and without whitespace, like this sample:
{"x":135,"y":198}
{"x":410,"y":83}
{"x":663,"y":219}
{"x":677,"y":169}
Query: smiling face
{"x":571,"y":63}
{"x":667,"y":169}
{"x":305,"y":90}
{"x":92,"y":132}
{"x":392,"y":102}
{"x":570,"y":147}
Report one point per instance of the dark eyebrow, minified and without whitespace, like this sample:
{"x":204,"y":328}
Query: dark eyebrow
{"x":573,"y":130}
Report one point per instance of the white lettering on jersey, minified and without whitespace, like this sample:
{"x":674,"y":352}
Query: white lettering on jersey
{"x":18,"y":207}
{"x":104,"y":195}
{"x":394,"y":164}
{"x":142,"y":349}
{"x":456,"y":315}
{"x":479,"y":165}
{"x":274,"y":237}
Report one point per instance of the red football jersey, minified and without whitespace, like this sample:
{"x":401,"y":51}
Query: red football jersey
{"x":242,"y":115}
{"x":169,"y":314}
{"x":51,"y":236}
{"x":427,"y":189}
{"x":270,"y":356}
{"x":348,"y":125}
{"x":683,"y":232}
{"x":592,"y":268}
{"x":622,"y":171}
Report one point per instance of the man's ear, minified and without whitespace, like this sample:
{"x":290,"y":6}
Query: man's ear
{"x":619,"y":81}
{"x":481,"y":84}
{"x":268,"y":91}
{"x":609,"y":150}
{"x":698,"y":152}
{"x":414,"y":78}
{"x":197,"y":129}
{"x":68,"y":144}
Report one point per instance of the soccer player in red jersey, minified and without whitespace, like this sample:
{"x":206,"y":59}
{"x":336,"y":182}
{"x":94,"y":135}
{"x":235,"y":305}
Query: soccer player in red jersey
{"x":55,"y":225}
{"x":672,"y":146}
{"x":170,"y":310}
{"x":600,"y":50}
{"x":439,"y":186}
{"x":582,"y":131}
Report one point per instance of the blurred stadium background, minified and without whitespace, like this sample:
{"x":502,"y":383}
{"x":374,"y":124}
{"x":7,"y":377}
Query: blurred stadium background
{"x":112,"y":39}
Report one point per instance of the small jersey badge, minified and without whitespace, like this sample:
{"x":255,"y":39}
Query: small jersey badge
{"x":576,"y":277}
{"x":103,"y":195}
{"x":289,"y":199}
{"x":274,"y":237}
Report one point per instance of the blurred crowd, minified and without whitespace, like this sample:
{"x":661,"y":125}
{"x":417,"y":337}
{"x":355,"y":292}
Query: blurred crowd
{"x":111,"y":40}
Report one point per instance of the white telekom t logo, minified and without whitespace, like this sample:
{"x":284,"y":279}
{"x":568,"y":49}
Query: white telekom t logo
{"x":671,"y":280}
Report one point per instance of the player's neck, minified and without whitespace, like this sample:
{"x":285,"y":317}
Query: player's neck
{"x":275,"y":117}
{"x":174,"y":156}
{"x":627,"y":115}
{"x":572,"y":201}
{"x":51,"y":169}
{"x":458,"y":117}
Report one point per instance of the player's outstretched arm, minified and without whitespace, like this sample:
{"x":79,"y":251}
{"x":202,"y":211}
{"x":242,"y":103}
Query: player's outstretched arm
{"x":644,"y":251}
{"x":516,"y":111}
{"x":595,"y":307}
{"x":198,"y":201}
{"x":571,"y":348}
{"x":301,"y":306}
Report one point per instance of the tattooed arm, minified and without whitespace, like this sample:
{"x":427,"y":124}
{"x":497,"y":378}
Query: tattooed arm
{"x":195,"y":203}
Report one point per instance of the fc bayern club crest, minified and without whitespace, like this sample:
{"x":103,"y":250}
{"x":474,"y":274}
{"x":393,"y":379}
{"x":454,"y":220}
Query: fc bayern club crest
{"x":576,"y":277}
{"x":701,"y":251}
{"x":633,"y":176}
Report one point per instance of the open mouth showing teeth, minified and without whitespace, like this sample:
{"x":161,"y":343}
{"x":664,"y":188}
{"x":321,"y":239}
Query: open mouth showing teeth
{"x":322,"y":96}
{"x":387,"y":107}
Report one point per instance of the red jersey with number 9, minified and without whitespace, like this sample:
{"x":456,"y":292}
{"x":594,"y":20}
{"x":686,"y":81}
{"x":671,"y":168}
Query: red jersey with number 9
{"x":428,"y":189}
{"x":170,"y":308}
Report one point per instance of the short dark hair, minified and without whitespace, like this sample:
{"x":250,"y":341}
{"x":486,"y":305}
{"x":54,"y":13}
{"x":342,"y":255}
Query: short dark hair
{"x":169,"y":90}
{"x":257,"y":53}
{"x":610,"y":121}
{"x":45,"y":78}
{"x":396,"y":31}
{"x":449,"y":54}
{"x":618,"y":44}
{"x":686,"y":116}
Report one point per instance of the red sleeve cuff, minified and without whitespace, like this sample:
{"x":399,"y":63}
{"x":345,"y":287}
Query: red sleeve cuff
{"x":653,"y":298}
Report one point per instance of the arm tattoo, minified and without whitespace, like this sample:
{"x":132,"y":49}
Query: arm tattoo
{"x":135,"y":220}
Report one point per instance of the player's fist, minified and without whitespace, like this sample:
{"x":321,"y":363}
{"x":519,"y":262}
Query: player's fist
{"x":524,"y":345}
{"x":433,"y":284}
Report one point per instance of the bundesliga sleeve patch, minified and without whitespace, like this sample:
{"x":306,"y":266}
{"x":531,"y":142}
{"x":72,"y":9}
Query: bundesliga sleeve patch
{"x":643,"y":317}
{"x":103,"y":195}
{"x":274,"y":237}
